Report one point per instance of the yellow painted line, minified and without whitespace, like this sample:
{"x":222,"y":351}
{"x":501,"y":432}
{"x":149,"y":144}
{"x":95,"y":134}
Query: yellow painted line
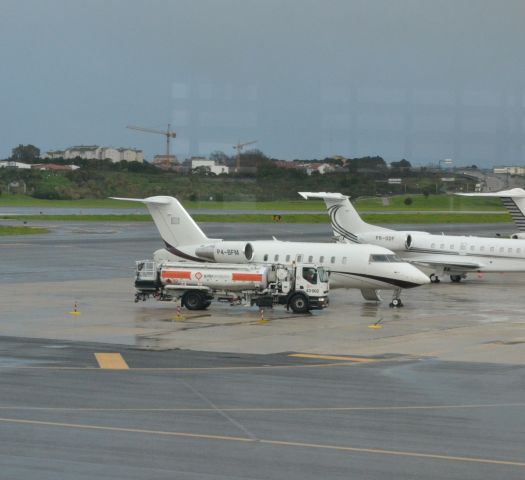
{"x":400,"y":453}
{"x":267,"y":409}
{"x":111,"y":361}
{"x":341,"y":448}
{"x":129,"y":430}
{"x":332,"y":357}
{"x":175,"y":369}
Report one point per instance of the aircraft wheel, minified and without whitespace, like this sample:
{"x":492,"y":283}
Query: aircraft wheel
{"x":396,"y":302}
{"x":455,"y":278}
{"x":299,"y":303}
{"x":193,"y":300}
{"x":434,"y":278}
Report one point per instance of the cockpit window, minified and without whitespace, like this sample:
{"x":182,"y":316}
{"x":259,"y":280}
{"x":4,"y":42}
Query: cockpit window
{"x":385,"y":258}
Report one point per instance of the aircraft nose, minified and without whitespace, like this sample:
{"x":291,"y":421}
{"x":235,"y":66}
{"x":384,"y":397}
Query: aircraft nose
{"x":419,"y":277}
{"x":415,"y":276}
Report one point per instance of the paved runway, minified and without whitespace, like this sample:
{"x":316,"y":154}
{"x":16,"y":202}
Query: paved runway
{"x":182,"y":414}
{"x":123,"y":390}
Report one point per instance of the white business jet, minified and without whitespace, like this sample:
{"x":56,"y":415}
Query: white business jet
{"x":514,"y":201}
{"x":453,"y":255}
{"x":365,"y":267}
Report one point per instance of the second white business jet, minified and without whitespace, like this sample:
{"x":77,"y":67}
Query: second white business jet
{"x":453,"y":255}
{"x":368,"y":268}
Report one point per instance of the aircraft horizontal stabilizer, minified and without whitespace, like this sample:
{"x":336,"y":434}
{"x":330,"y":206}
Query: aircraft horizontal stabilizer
{"x":329,"y":195}
{"x":513,"y":193}
{"x":151,"y":200}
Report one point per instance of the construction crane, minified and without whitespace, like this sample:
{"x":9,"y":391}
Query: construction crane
{"x":239,"y":148}
{"x":169,"y":134}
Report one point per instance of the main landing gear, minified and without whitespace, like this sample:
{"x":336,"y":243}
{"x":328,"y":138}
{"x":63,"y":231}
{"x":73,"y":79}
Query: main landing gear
{"x":453,"y":278}
{"x":458,"y":278}
{"x":396,"y":300}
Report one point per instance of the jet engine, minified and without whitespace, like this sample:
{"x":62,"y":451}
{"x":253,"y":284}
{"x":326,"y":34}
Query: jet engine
{"x":226,"y":252}
{"x":518,"y":236}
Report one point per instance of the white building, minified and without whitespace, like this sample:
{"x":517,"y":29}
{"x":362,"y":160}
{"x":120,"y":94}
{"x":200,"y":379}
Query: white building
{"x":12,"y":164}
{"x":94,"y":152}
{"x":197,"y":162}
{"x":321,"y":168}
{"x":510,"y":170}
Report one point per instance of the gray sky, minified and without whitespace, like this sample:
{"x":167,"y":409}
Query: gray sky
{"x":419,"y":79}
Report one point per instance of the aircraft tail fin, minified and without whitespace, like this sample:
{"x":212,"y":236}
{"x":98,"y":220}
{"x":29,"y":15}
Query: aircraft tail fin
{"x":346,"y":222}
{"x":174,"y":223}
{"x":513,"y":200}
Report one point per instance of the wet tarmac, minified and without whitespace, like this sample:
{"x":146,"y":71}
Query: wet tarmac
{"x":95,"y":385}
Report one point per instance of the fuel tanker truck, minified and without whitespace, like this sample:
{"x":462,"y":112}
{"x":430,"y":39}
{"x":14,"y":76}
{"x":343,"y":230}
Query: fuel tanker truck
{"x":300,"y":287}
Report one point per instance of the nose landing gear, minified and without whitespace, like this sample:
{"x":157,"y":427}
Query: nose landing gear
{"x":396,"y":300}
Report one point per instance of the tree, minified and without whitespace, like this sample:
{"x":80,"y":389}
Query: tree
{"x":220,"y":158}
{"x":402,"y":164}
{"x":28,"y":153}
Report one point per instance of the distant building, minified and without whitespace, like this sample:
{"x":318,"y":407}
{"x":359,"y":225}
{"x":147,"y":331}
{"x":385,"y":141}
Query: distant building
{"x":12,"y":164}
{"x":321,"y":168}
{"x":165,"y":162}
{"x":94,"y":152}
{"x":510,"y":170}
{"x":287,"y":165}
{"x":201,"y":162}
{"x":54,"y":167}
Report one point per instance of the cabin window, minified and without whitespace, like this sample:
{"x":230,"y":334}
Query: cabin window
{"x":276,"y":258}
{"x":509,"y":250}
{"x":463,"y":246}
{"x":472,"y":248}
{"x":482,"y":248}
{"x":332,"y":260}
{"x":442,"y":246}
{"x":518,"y":250}
{"x":265,"y":258}
{"x":451,"y":247}
{"x":501,"y":250}
{"x":344,"y":260}
{"x":432,"y":245}
{"x":310,"y":259}
{"x":287,"y":258}
{"x":299,"y":258}
{"x":321,"y":259}
{"x":492,"y":249}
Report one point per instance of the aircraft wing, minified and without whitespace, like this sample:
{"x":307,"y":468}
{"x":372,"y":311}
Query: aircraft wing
{"x":451,"y":262}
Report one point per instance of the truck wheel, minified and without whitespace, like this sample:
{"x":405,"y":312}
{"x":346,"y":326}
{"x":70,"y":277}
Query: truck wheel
{"x":193,"y":300}
{"x":299,"y":303}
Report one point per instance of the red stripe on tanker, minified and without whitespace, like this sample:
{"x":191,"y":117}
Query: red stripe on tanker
{"x":247,"y":277}
{"x":175,"y":274}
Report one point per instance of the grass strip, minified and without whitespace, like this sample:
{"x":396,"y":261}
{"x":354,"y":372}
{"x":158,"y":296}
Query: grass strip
{"x":385,"y":218}
{"x":15,"y":230}
{"x":395,"y":202}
